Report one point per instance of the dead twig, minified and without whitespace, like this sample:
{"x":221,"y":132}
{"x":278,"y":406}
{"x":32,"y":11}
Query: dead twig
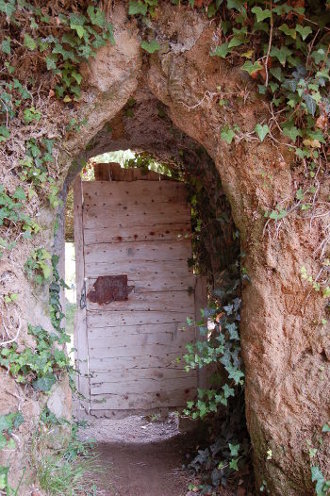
{"x":269,"y":44}
{"x":19,"y":327}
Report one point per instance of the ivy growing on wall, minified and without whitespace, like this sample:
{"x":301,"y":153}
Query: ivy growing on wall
{"x":284,"y":47}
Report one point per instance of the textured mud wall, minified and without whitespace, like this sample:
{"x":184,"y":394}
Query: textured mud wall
{"x":283,"y":347}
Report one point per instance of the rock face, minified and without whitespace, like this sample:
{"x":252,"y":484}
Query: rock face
{"x":282,"y":340}
{"x":60,"y":400}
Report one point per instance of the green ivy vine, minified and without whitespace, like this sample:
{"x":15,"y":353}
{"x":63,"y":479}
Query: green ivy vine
{"x":42,"y":365}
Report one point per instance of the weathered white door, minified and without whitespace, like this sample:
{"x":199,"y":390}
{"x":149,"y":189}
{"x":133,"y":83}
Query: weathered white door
{"x":135,"y":292}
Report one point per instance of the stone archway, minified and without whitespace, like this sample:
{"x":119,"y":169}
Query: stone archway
{"x":282,"y":347}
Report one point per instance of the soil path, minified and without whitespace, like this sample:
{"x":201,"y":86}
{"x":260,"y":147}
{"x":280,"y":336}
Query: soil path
{"x":140,"y":458}
{"x":142,"y":469}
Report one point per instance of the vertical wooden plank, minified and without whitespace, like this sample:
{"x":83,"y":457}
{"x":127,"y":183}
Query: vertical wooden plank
{"x":80,"y":327}
{"x":203,"y":374}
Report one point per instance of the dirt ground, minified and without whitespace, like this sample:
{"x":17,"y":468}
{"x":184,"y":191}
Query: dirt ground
{"x":139,"y":457}
{"x":143,"y":469}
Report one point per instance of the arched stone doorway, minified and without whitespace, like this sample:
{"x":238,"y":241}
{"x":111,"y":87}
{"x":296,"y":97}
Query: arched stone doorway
{"x":255,"y":177}
{"x":282,"y":346}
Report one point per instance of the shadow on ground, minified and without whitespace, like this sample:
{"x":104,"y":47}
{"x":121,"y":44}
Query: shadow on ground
{"x":149,"y":469}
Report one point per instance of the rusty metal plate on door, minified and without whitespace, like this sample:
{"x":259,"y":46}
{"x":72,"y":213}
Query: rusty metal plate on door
{"x":109,"y":288}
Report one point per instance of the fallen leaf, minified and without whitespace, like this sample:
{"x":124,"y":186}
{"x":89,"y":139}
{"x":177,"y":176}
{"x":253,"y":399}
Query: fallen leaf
{"x":313,"y":143}
{"x":321,"y":122}
{"x":218,"y":317}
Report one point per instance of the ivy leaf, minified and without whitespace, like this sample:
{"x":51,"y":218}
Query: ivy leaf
{"x":275,"y":215}
{"x":273,"y":86}
{"x":3,"y":444}
{"x":291,"y":131}
{"x":77,"y":76}
{"x":4,"y":133}
{"x":150,"y":47}
{"x":96,"y":15}
{"x":248,"y":54}
{"x":234,"y":464}
{"x":261,"y":15}
{"x":316,"y":135}
{"x":304,"y":31}
{"x":227,"y":134}
{"x":326,"y":428}
{"x":66,"y":54}
{"x":109,"y":34}
{"x":281,"y":54}
{"x":4,"y":477}
{"x":282,"y":9}
{"x":288,"y":31}
{"x":235,"y":41}
{"x":19,"y":194}
{"x":29,"y":42}
{"x":235,"y":374}
{"x":326,"y":292}
{"x":219,"y":398}
{"x":51,"y":62}
{"x":233,"y":334}
{"x":318,"y":477}
{"x":136,"y":8}
{"x":30,"y":115}
{"x":85,"y":51}
{"x":5,"y":422}
{"x":18,"y":420}
{"x":220,"y":51}
{"x":11,"y":445}
{"x":202,"y":407}
{"x":234,"y":449}
{"x":43,"y":45}
{"x":228,"y":391}
{"x":300,"y":194}
{"x":249,"y":67}
{"x":277,"y":73}
{"x":80,"y":30}
{"x":236,"y":4}
{"x":7,"y":8}
{"x":310,"y":103}
{"x":5,"y":45}
{"x":77,"y":20}
{"x":318,"y":55}
{"x":44,"y":383}
{"x":262,"y":131}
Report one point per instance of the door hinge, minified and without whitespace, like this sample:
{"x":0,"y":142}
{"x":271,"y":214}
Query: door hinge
{"x":82,"y":302}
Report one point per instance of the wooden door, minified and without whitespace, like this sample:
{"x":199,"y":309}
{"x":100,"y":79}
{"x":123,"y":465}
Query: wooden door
{"x":135,"y":292}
